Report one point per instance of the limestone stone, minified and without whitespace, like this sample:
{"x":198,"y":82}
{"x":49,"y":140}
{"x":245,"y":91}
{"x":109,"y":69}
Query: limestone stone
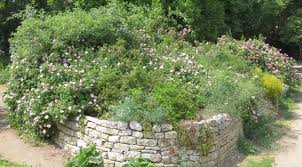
{"x":171,"y":135}
{"x":149,"y":151}
{"x":119,"y":164}
{"x":147,"y":142}
{"x":108,"y":145}
{"x":152,"y":157}
{"x":156,"y":128}
{"x":132,"y":154}
{"x":136,"y":126}
{"x":94,"y":133}
{"x":104,"y":136}
{"x":116,"y":156}
{"x":128,"y":140}
{"x":166,"y":159}
{"x":123,"y":147}
{"x":159,"y":135}
{"x":126,"y":132}
{"x":91,"y":125}
{"x":107,"y":124}
{"x":107,"y":130}
{"x":138,"y":134}
{"x":166,"y":127}
{"x":104,"y":155}
{"x":122,"y":125}
{"x":153,"y":148}
{"x":92,"y":119}
{"x":136,"y":147}
{"x":108,"y":163}
{"x":114,"y":139}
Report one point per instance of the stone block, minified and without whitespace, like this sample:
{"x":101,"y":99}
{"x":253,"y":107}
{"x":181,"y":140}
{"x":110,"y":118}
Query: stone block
{"x":128,"y":140}
{"x":137,"y":134}
{"x":114,"y":139}
{"x":116,"y":156}
{"x":171,"y":135}
{"x":132,"y":154}
{"x":166,"y":127}
{"x":136,"y":126}
{"x":147,"y":142}
{"x":152,"y":157}
{"x":108,"y":131}
{"x":126,"y":132}
{"x":123,"y":147}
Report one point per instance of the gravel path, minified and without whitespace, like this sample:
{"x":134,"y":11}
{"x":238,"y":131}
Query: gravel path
{"x":14,"y":149}
{"x":290,"y":155}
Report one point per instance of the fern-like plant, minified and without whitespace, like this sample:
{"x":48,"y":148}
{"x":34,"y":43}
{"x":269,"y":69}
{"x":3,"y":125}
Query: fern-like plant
{"x":86,"y":157}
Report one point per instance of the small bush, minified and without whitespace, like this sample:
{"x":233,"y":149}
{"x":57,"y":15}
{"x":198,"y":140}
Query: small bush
{"x":266,"y":57}
{"x":247,"y":147}
{"x":4,"y":73}
{"x":272,"y":85}
{"x":140,"y":162}
{"x":86,"y":157}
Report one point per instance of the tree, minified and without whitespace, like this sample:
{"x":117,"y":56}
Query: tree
{"x":291,"y":33}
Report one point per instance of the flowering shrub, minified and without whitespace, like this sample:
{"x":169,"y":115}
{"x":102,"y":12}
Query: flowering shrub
{"x":120,"y":62}
{"x":102,"y":64}
{"x":267,"y":58}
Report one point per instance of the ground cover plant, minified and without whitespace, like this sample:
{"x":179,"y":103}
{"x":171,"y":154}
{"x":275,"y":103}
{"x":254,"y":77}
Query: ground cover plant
{"x":86,"y":157}
{"x":124,"y":62}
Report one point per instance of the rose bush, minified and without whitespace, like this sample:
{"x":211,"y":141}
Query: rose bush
{"x":122,"y":62}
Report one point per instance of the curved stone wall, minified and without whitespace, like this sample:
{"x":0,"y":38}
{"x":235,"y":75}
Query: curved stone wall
{"x":120,"y":141}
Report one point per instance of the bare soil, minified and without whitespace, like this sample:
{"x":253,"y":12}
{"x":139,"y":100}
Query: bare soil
{"x":14,"y":149}
{"x":291,"y":151}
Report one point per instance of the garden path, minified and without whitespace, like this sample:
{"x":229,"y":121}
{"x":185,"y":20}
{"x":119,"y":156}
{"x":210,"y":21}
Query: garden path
{"x":290,"y":154}
{"x":14,"y":149}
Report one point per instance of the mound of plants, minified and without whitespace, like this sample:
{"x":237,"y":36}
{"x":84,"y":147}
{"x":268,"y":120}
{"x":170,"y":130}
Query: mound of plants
{"x":123,"y":62}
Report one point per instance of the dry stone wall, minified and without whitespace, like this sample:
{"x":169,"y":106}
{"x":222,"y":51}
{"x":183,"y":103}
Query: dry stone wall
{"x":119,"y":141}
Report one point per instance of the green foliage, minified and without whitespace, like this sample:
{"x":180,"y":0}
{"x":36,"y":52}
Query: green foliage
{"x":4,"y":74}
{"x":5,"y":163}
{"x":272,"y":85}
{"x":266,"y":57}
{"x":140,"y":108}
{"x":266,"y":162}
{"x":246,"y":146}
{"x":124,"y":62}
{"x":91,"y":69}
{"x":86,"y":157}
{"x":206,"y":18}
{"x":140,"y":162}
{"x":191,"y":137}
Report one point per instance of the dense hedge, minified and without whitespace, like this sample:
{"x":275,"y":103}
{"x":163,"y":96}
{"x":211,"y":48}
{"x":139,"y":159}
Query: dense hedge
{"x":123,"y":62}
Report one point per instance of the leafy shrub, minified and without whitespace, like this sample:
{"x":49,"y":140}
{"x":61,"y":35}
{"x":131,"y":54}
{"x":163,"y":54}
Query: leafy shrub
{"x":122,"y":62}
{"x":140,"y":162}
{"x":4,"y":74}
{"x":266,"y":57}
{"x":246,"y":146}
{"x":86,"y":157}
{"x":82,"y":64}
{"x":272,"y":85}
